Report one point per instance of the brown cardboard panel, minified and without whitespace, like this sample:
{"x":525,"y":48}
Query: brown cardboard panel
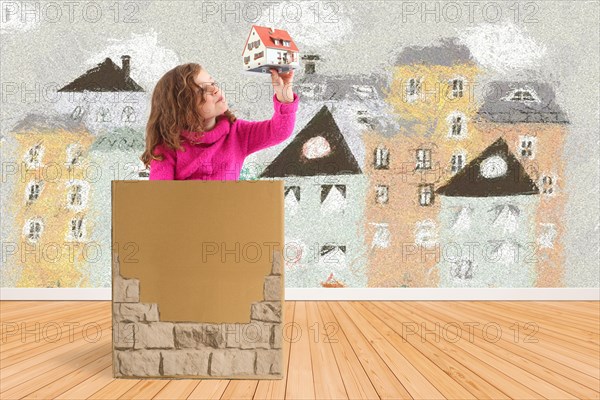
{"x":200,"y":249}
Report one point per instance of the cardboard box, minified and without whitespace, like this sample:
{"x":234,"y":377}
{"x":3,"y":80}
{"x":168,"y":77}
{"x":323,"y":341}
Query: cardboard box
{"x":198,"y":284}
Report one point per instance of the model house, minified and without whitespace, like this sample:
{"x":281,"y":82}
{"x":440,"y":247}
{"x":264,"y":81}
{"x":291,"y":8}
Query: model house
{"x":269,"y":47}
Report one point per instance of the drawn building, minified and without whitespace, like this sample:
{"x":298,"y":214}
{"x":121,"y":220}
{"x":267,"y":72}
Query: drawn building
{"x":105,"y":97}
{"x":324,"y":200}
{"x":487,"y":223}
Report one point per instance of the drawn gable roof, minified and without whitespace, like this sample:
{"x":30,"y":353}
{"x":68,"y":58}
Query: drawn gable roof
{"x":484,"y":177}
{"x":105,"y":77}
{"x":338,"y":160}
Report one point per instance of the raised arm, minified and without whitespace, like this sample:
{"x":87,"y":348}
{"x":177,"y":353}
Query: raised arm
{"x":165,"y":169}
{"x":258,"y":135}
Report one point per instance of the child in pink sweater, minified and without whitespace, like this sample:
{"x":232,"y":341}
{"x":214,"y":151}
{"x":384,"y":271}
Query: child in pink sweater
{"x":192,"y":134}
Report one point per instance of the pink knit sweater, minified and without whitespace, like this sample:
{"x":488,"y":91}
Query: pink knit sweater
{"x":220,"y":154}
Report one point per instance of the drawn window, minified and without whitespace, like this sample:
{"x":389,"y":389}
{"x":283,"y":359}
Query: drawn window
{"x":332,"y":256}
{"x":292,"y":190}
{"x":506,"y":217}
{"x":33,"y":157}
{"x":462,"y":269}
{"x":457,"y":88}
{"x":326,"y":191}
{"x":456,"y":125}
{"x":457,"y":162}
{"x":547,"y":235}
{"x":527,"y":146}
{"x":77,"y":113}
{"x":382,"y":192}
{"x":128,"y":114}
{"x":381,"y":238}
{"x":76,"y":229}
{"x":103,"y":115}
{"x":547,"y":185}
{"x":33,"y":229}
{"x":423,"y":159}
{"x":74,"y":155}
{"x":425,"y":195}
{"x":32,"y":193}
{"x":382,"y":158}
{"x":522,"y":95}
{"x":75,"y":195}
{"x":413,"y":88}
{"x":425,"y":233}
{"x":333,"y":198}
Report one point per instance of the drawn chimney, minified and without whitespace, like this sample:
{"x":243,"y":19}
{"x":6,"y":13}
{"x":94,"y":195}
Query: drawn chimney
{"x":309,"y":63}
{"x":126,"y":67}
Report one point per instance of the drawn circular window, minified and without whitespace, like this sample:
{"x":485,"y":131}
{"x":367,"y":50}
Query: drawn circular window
{"x":493,"y":167}
{"x":316,"y":147}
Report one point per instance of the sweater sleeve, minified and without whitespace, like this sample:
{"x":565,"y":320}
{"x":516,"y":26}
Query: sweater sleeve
{"x":165,"y":169}
{"x":258,"y":135}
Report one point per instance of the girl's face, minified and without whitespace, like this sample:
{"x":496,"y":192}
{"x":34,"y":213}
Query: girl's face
{"x":215,"y":103}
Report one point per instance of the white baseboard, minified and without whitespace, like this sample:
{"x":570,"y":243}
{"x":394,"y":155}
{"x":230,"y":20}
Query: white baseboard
{"x":103,"y":294}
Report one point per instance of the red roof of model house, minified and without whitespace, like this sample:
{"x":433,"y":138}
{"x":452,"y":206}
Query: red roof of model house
{"x":267,"y":36}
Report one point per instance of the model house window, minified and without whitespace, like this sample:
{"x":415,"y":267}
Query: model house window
{"x":381,"y":194}
{"x":76,"y":229}
{"x":256,"y":44}
{"x":32,"y":193}
{"x":423,"y":159}
{"x":246,"y":59}
{"x":457,"y":162}
{"x":286,"y":43}
{"x":259,"y":55}
{"x":382,"y":158}
{"x":547,"y":185}
{"x":74,"y":155}
{"x":77,"y":113}
{"x":276,"y":41}
{"x":527,"y":146}
{"x":128,"y":114}
{"x":425,"y":195}
{"x":457,"y":88}
{"x":33,"y":157}
{"x":103,"y":115}
{"x":381,"y":238}
{"x":33,"y":229}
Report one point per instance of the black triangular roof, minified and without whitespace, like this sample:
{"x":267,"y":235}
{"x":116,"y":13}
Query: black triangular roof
{"x":105,"y":77}
{"x":469,"y":182}
{"x":292,"y":162}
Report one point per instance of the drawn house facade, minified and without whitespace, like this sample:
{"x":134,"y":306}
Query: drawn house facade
{"x":487,"y":223}
{"x":104,"y":97}
{"x":429,"y":96}
{"x":324,"y":192}
{"x":267,"y":46}
{"x":527,"y":115}
{"x":50,"y":202}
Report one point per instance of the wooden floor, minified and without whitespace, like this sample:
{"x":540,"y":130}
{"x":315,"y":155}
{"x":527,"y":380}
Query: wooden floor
{"x":335,"y":350}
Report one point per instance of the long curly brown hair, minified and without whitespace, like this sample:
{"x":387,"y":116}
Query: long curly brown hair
{"x":175,"y":106}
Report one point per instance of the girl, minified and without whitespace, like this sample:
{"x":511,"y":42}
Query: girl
{"x":191,"y":133}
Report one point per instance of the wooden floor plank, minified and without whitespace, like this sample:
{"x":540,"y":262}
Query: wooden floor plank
{"x":328,"y":381}
{"x":242,"y":389}
{"x":89,"y":386}
{"x":209,"y":389}
{"x":177,"y":389}
{"x":356,"y":381}
{"x":300,"y":384}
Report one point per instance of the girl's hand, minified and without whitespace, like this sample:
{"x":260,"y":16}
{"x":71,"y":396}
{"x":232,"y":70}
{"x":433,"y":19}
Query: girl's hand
{"x":282,"y":84}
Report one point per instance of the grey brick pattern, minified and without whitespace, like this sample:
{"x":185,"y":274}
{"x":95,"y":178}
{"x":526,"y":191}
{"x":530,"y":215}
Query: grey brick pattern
{"x":145,"y":347}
